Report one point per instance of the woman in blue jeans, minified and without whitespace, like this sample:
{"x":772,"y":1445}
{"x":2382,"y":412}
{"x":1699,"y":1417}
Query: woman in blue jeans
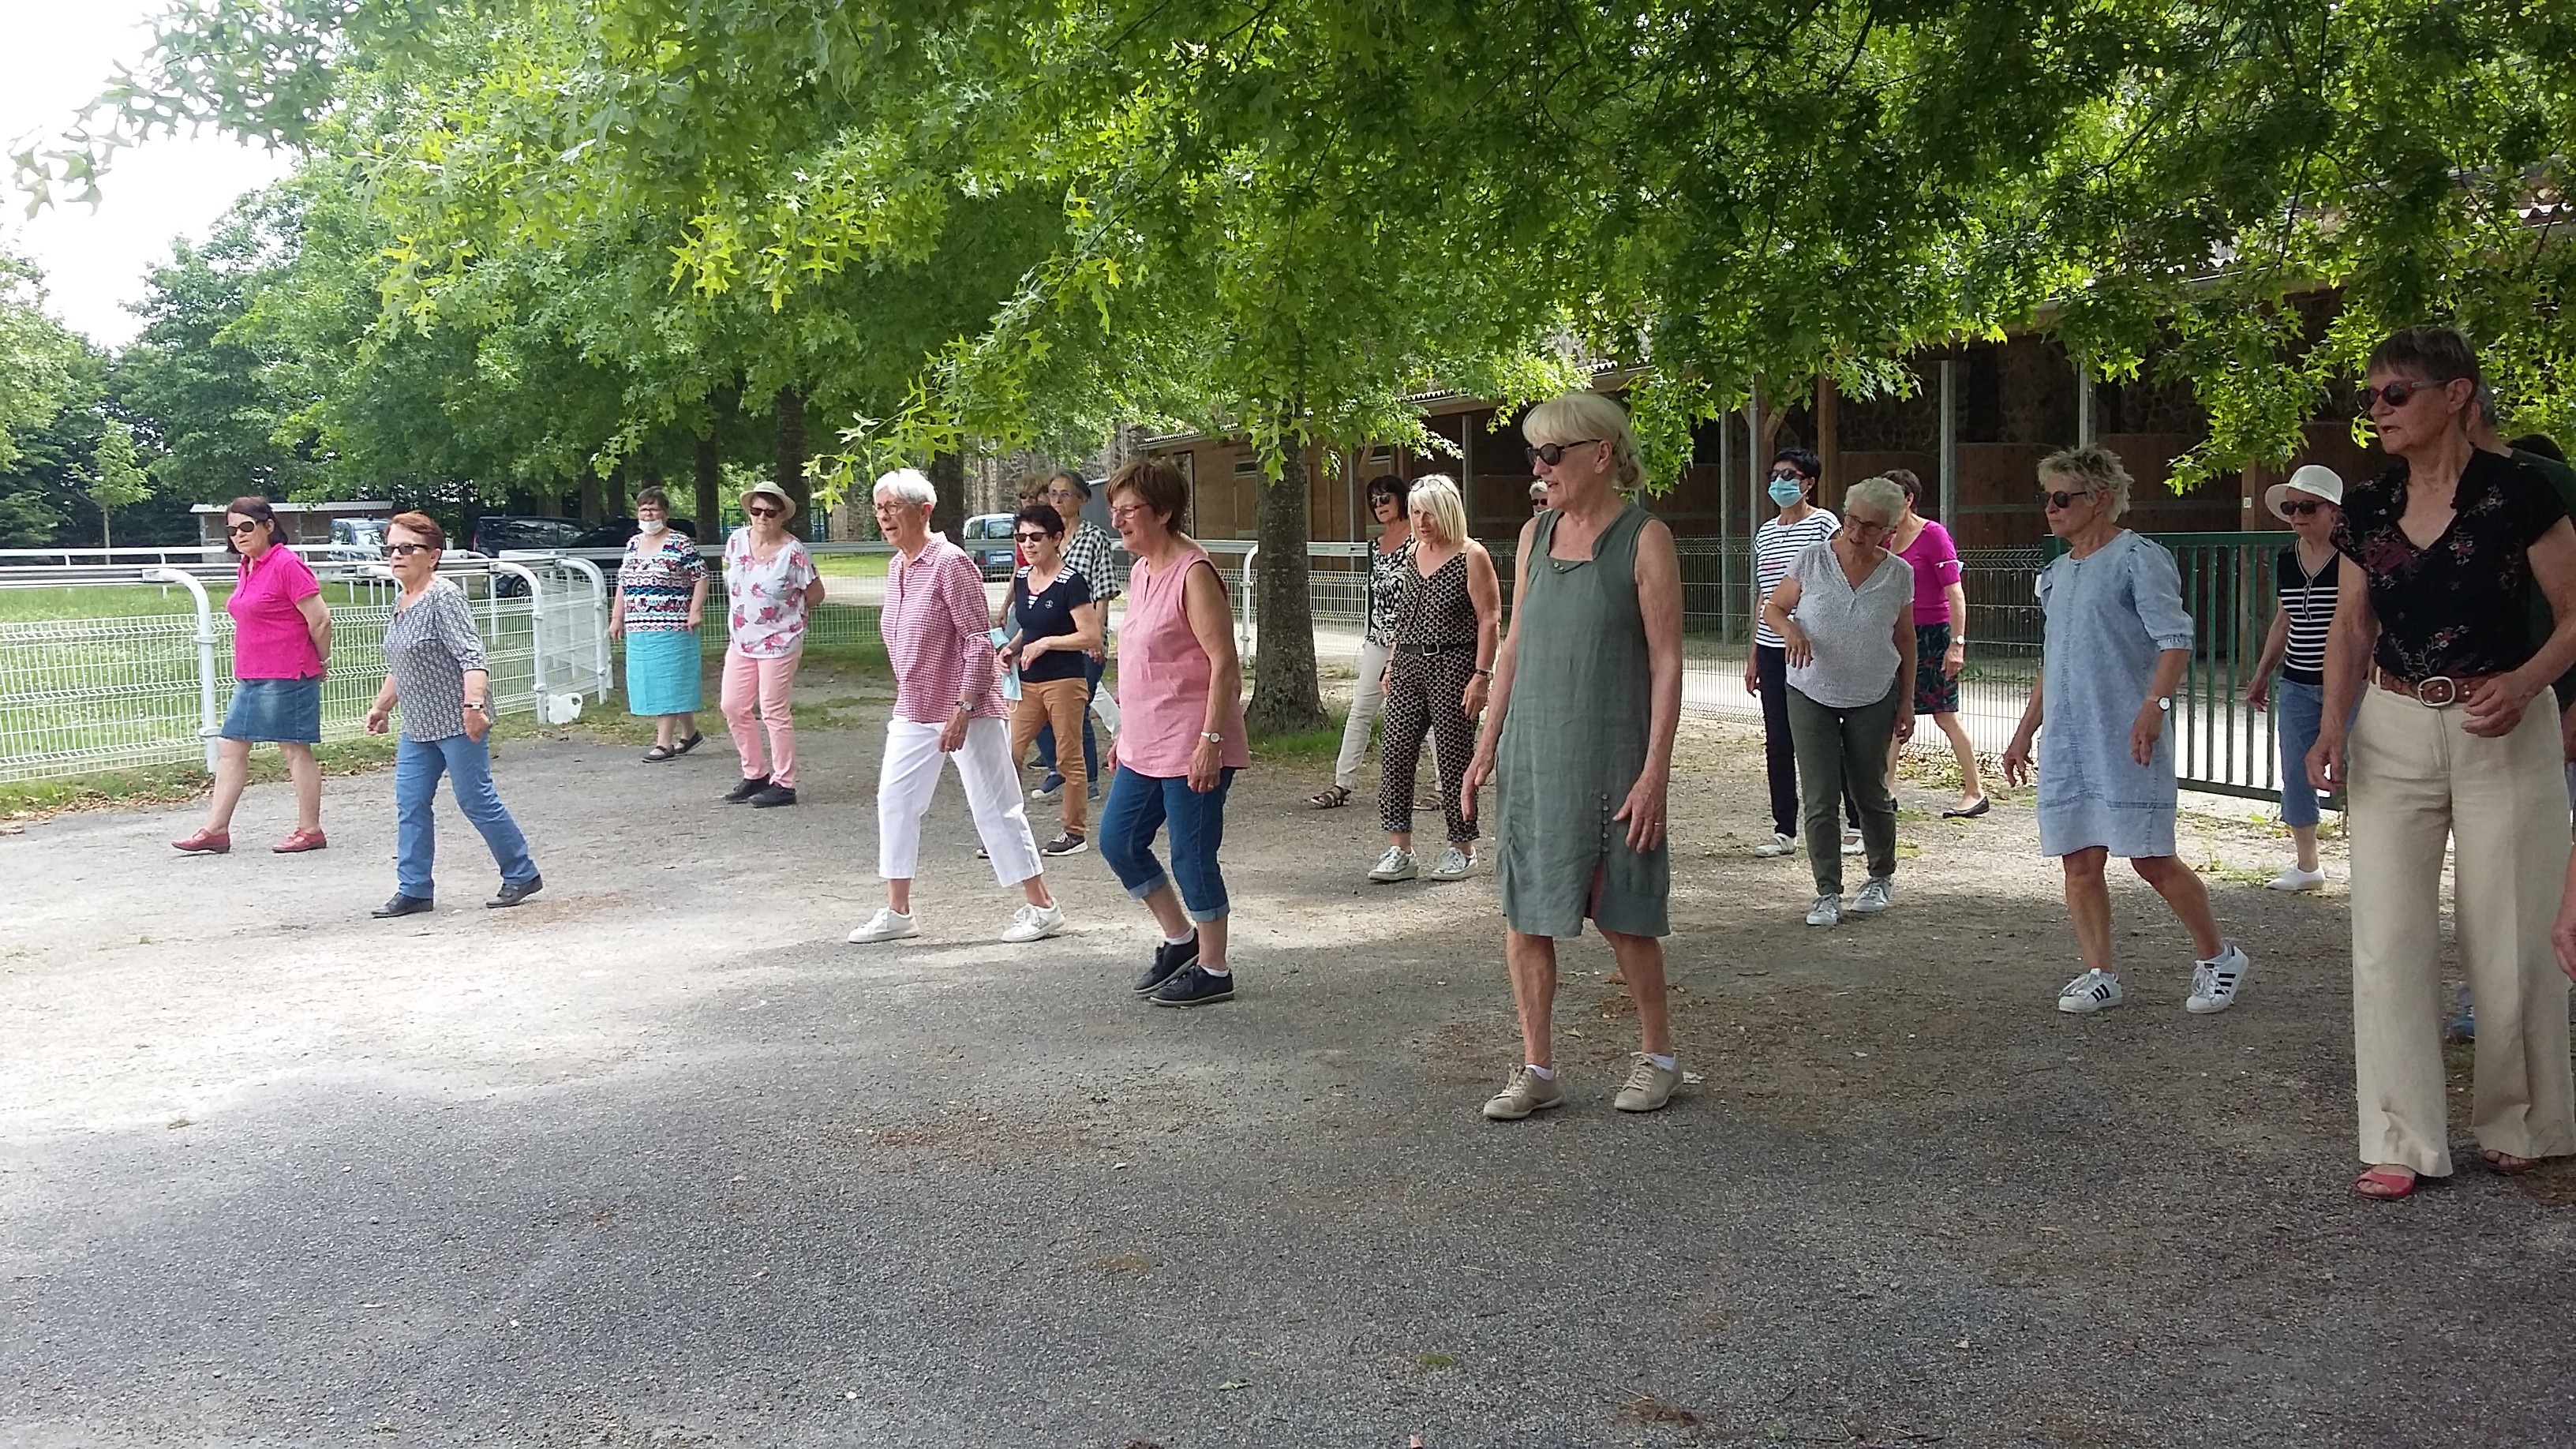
{"x":2289,"y":678}
{"x":436,"y":672}
{"x":1180,"y":737}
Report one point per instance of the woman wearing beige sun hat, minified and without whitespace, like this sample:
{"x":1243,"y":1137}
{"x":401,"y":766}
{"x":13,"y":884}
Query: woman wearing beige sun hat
{"x":2289,"y":677}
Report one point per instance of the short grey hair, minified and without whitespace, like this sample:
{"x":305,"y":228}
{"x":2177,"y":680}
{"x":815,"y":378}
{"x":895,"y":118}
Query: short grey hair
{"x":1884,"y":494}
{"x":2095,"y":470}
{"x":907,"y":485}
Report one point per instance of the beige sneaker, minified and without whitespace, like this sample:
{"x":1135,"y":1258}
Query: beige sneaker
{"x":1526,"y":1093}
{"x":1649,"y":1086}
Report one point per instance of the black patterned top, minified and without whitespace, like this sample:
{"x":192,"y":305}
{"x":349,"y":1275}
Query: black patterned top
{"x":1387,"y":572}
{"x":2454,"y":608}
{"x":1437,"y":612}
{"x":1089,"y":552}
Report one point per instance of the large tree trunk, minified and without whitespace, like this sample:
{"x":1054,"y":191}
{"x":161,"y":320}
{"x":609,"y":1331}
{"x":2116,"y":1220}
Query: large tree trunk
{"x":710,"y":519}
{"x":1285,"y":697}
{"x":791,"y":460}
{"x":618,"y":506}
{"x":948,"y":475}
{"x":591,"y":514}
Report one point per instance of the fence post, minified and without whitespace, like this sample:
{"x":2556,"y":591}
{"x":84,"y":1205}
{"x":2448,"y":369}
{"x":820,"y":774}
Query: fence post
{"x":536,"y":630}
{"x":1243,"y":631}
{"x":208,"y":727}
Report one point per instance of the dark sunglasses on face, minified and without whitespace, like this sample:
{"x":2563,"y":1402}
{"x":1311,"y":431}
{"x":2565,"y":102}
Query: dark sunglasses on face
{"x":2060,"y":498}
{"x":2302,"y":510}
{"x":1554,"y":453}
{"x":241,"y":528}
{"x":1032,"y":537}
{"x":1787,"y":475}
{"x":2397,"y":394}
{"x":1381,"y":500}
{"x":766,"y":513}
{"x":405,"y":550}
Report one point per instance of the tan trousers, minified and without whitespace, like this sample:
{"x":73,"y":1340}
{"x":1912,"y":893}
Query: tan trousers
{"x":2417,"y":779}
{"x":1059,"y":702}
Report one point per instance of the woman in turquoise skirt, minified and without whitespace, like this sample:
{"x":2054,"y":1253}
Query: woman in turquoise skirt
{"x":661,"y":594}
{"x":1587,"y":692}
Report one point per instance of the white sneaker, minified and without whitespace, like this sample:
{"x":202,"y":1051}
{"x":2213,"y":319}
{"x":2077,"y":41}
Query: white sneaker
{"x":1034,"y":923}
{"x":1851,"y":842}
{"x":2215,"y":982}
{"x":1455,"y":864}
{"x":2090,"y":992}
{"x":2295,"y":879}
{"x":1876,"y":894}
{"x":1827,"y":911}
{"x":1395,"y":865}
{"x":1775,"y":847}
{"x":888,"y":924}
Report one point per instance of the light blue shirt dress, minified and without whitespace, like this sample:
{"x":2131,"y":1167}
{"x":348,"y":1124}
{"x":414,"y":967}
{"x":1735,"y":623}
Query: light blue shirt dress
{"x":2109,"y":616}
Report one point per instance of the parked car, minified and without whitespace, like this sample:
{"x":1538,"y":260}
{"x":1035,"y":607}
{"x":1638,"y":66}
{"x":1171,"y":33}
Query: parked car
{"x":988,"y":543}
{"x":356,"y":540}
{"x":616,"y":532}
{"x":494,"y":532}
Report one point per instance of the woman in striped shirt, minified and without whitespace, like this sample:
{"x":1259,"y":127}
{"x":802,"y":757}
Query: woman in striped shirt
{"x":2295,"y":650}
{"x":1800,"y":526}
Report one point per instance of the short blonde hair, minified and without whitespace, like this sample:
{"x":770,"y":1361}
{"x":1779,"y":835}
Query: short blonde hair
{"x":1883,"y":494}
{"x":2095,"y":469}
{"x":1435,"y":496}
{"x":1576,"y":415}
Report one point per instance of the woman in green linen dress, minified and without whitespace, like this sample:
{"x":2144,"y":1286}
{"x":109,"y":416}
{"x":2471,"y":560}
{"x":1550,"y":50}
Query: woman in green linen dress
{"x":1587,"y":691}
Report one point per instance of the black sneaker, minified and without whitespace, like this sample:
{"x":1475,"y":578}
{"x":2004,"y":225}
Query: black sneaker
{"x":773,"y":795}
{"x":1067,"y":843}
{"x":746,"y":789}
{"x":1194,"y":987}
{"x":1168,"y":960}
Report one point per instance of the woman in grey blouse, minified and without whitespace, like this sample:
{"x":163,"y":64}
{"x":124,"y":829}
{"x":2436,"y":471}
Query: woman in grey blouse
{"x":1845,"y":616}
{"x":436,"y":672}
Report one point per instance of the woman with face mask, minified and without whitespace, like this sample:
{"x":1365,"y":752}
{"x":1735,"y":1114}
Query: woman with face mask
{"x":1800,"y":526}
{"x":661,"y":594}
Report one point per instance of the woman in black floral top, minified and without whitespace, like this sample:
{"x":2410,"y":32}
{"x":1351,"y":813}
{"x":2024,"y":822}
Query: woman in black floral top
{"x":1388,"y":563}
{"x":2456,"y":743}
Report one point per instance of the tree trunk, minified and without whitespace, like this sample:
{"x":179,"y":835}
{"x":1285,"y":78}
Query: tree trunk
{"x":1285,"y":697}
{"x":618,"y":507}
{"x":948,"y":475}
{"x":591,"y":515}
{"x":105,"y":539}
{"x":791,"y":461}
{"x":710,"y":519}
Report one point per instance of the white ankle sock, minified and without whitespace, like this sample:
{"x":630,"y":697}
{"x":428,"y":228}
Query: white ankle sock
{"x":1216,"y":971}
{"x":1661,"y":1063}
{"x":1544,"y":1074}
{"x":1180,"y":940}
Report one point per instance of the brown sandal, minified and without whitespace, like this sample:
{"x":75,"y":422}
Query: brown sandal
{"x":1331,"y":798}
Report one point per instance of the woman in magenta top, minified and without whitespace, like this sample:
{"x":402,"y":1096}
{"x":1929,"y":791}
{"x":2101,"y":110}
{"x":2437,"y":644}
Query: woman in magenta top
{"x":1180,"y":739}
{"x":281,"y":640}
{"x":1940,"y":639}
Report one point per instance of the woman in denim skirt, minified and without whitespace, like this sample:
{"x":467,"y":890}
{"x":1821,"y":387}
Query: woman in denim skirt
{"x":281,"y":643}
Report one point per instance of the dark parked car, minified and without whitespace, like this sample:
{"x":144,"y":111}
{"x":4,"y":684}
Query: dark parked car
{"x":988,"y":542}
{"x":603,"y":544}
{"x":494,"y":532}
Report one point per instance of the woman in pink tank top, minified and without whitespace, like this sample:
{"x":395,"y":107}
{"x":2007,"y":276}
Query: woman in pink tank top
{"x":1180,"y":736}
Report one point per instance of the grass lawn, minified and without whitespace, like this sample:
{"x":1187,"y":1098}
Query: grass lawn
{"x":851,"y":565}
{"x":113,"y":601}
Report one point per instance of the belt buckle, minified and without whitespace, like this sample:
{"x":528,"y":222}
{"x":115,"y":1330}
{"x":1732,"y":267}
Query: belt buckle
{"x":2443,"y":685}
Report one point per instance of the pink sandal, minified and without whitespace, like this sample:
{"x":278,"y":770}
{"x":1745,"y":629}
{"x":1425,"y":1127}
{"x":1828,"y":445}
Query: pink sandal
{"x":2386,"y":1184}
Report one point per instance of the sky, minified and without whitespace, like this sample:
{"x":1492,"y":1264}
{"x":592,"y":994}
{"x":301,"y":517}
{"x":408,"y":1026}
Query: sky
{"x":58,"y":56}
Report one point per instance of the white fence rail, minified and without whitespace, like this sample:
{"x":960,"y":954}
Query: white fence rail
{"x":118,"y":666}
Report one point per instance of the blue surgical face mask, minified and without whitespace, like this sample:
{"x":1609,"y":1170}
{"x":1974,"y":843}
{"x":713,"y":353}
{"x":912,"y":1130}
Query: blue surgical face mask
{"x":1787,"y":491}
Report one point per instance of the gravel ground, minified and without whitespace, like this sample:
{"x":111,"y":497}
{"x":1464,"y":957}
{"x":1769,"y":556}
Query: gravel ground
{"x":658,"y":1160}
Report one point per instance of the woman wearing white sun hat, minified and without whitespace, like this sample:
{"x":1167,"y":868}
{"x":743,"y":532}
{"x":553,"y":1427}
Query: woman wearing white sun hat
{"x":2289,"y":677}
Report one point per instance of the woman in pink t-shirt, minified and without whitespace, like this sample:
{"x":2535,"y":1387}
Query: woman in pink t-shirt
{"x":281,"y":640}
{"x":1180,"y":736}
{"x":1940,"y":639}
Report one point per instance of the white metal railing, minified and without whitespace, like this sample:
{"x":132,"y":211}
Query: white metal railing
{"x":108,"y":666}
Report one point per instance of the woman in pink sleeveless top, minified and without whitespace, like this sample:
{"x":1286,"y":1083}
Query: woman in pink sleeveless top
{"x":1180,"y":736}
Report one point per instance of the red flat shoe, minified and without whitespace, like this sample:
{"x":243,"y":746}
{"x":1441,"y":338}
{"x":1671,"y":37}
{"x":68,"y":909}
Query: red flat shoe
{"x":299,"y":842}
{"x":206,"y":842}
{"x":2387,"y":1184}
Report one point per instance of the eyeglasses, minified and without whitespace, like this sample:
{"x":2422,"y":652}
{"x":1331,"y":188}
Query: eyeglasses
{"x":2302,"y":510}
{"x":1031,"y":538}
{"x":2397,"y":394}
{"x":1554,"y":453}
{"x":1868,"y":523}
{"x":767,"y":513}
{"x":1119,"y":511}
{"x":241,"y":528}
{"x":2060,"y":498}
{"x":406,"y":550}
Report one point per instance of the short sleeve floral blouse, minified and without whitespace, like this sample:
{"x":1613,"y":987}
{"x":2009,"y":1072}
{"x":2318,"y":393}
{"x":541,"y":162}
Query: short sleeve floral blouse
{"x":2454,"y":608}
{"x":657,"y":579}
{"x":768,"y":597}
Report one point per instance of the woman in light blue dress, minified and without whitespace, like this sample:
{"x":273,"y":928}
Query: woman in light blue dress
{"x":2116,"y":645}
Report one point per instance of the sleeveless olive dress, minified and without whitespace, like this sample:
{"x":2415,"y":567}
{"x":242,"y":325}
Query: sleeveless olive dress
{"x":1574,"y":743}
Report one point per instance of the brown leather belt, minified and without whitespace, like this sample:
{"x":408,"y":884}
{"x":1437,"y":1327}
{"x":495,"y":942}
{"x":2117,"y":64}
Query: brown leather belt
{"x":2439,"y":692}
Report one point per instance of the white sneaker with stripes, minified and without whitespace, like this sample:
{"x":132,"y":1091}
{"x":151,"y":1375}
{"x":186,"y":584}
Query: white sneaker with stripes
{"x":2090,"y":992}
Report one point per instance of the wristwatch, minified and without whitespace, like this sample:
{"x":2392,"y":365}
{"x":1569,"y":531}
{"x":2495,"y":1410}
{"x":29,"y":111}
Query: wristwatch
{"x":1212,"y":737}
{"x":2164,"y":702}
{"x":474,"y":706}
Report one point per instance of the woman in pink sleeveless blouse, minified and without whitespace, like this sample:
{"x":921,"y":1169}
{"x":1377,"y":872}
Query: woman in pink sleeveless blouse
{"x":1180,"y":737}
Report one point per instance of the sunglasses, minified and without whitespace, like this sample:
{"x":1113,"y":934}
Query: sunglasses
{"x":2060,"y":498}
{"x":767,"y":513}
{"x":405,"y":550}
{"x":2396,"y":394}
{"x":1380,"y":500}
{"x":2302,"y":510}
{"x":1787,"y":475}
{"x":1554,"y":453}
{"x":241,"y":528}
{"x":1032,"y":537}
